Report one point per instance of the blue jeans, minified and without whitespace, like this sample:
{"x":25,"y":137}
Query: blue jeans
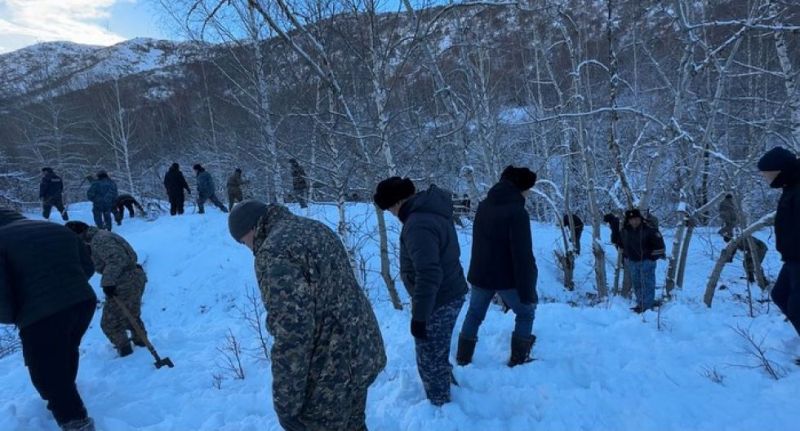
{"x":643,"y":281}
{"x":479,"y":301}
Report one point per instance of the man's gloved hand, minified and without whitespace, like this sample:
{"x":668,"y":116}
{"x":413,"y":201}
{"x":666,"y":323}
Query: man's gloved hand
{"x":110,"y":290}
{"x":419,"y":329}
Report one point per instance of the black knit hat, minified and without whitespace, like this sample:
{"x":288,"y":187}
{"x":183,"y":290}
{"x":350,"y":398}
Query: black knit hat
{"x":78,"y":227}
{"x":633,"y":213}
{"x":244,"y":217}
{"x":523,"y":178}
{"x":198,"y":167}
{"x":777,"y":159}
{"x":47,"y":169}
{"x":392,"y":190}
{"x":175,"y":166}
{"x":102,"y":173}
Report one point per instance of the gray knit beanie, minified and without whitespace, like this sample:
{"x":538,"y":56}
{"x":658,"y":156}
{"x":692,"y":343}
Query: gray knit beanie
{"x":244,"y":217}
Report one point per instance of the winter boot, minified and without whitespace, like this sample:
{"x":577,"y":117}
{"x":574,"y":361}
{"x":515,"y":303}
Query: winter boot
{"x":124,"y":350}
{"x":466,"y":348}
{"x":64,"y":215}
{"x":79,"y":425}
{"x":138,"y":343}
{"x":521,"y":350}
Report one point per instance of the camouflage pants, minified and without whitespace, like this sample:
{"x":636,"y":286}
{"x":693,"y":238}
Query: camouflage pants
{"x":233,"y":197}
{"x":433,"y":353}
{"x":348,"y":413}
{"x":114,"y":323}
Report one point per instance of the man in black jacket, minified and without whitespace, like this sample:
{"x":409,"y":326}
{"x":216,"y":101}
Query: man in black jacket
{"x":431,"y":272}
{"x":175,"y":183}
{"x":123,"y":202}
{"x":51,"y":191}
{"x":44,"y":291}
{"x":782,"y":169}
{"x":502,"y":263}
{"x":642,"y":245}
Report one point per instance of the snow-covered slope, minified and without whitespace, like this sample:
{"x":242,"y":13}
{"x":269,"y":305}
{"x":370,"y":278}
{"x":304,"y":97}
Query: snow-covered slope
{"x":597,"y":368}
{"x":53,"y":68}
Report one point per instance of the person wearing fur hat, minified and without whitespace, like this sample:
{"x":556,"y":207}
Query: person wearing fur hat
{"x":642,"y":246}
{"x":327,"y":347}
{"x":781,"y":168}
{"x":103,"y":194}
{"x":431,"y":271}
{"x":503,"y":264}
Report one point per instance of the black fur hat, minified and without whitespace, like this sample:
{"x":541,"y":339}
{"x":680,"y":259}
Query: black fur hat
{"x":523,"y":178}
{"x":392,"y":190}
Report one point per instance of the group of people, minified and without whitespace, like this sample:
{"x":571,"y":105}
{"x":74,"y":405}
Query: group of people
{"x":107,"y":202}
{"x":328,"y":348}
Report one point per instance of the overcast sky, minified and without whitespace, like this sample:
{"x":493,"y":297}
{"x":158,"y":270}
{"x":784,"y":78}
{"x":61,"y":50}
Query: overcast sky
{"x":94,"y":22}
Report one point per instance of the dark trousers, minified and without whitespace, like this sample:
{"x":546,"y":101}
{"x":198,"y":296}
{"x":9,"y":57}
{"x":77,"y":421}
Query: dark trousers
{"x":119,"y":211}
{"x":54,"y":201}
{"x":102,"y":218}
{"x":433,"y":353}
{"x":176,"y":205}
{"x":50,"y":348}
{"x":214,"y":200}
{"x":786,"y":293}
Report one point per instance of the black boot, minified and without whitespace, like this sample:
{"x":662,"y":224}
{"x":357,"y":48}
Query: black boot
{"x":139,"y":343}
{"x":466,"y":348}
{"x":521,"y":350}
{"x":124,"y":350}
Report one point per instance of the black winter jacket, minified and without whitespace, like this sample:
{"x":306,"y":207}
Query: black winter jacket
{"x":51,"y":186}
{"x":642,"y":243}
{"x":502,"y":248}
{"x":175,"y":183}
{"x":44,"y":268}
{"x":429,"y":252}
{"x":787,"y":219}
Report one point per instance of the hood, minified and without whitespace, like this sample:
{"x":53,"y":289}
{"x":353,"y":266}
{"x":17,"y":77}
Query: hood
{"x":505,"y":192}
{"x":7,"y":215}
{"x":431,"y":201}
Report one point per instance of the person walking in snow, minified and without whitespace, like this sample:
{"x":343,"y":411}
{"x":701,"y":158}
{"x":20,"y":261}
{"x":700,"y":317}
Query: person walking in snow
{"x":327,"y":347}
{"x":123,"y":202}
{"x":175,"y":183}
{"x":758,"y":254}
{"x":577,"y":223}
{"x":727,"y":212}
{"x":51,"y":193}
{"x":44,"y":291}
{"x":781,"y":168}
{"x":642,"y":245}
{"x":206,"y":190}
{"x":432,"y":274}
{"x":102,"y":193}
{"x":503,"y":264}
{"x":122,"y":279}
{"x":299,"y":183}
{"x":234,"y":188}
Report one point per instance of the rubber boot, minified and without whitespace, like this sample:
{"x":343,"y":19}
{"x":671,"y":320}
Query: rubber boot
{"x":466,"y":348}
{"x":521,"y":350}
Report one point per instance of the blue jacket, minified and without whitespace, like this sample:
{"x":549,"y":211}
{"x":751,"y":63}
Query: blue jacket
{"x":429,"y":253}
{"x":103,"y":194}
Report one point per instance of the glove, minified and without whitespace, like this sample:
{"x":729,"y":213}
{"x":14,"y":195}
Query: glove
{"x":419,"y":330}
{"x":110,"y":290}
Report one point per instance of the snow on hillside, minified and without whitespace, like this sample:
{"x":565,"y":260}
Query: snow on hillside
{"x":597,"y":368}
{"x":60,"y":67}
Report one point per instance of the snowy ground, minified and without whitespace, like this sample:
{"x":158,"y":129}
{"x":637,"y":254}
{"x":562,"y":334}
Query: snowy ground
{"x":597,"y":368}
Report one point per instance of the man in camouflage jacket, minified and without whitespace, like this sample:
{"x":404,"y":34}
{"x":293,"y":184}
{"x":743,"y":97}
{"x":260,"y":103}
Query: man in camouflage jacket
{"x":234,"y":186}
{"x":327,"y":346}
{"x":122,"y":278}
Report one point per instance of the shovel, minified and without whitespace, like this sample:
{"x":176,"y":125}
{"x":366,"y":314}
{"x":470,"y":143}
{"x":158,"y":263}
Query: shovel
{"x":142,"y":336}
